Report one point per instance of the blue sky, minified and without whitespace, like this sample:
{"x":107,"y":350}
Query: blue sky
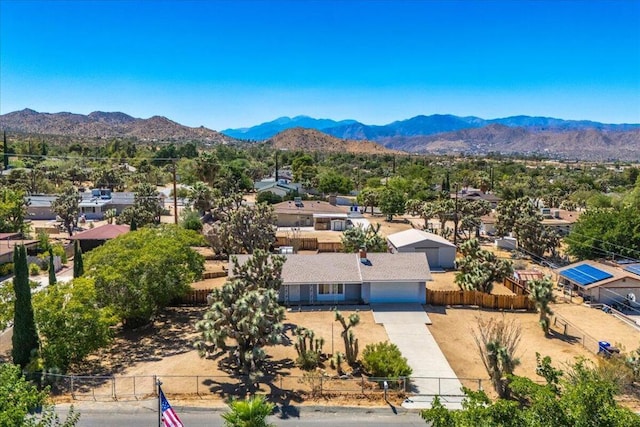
{"x":228,"y":64}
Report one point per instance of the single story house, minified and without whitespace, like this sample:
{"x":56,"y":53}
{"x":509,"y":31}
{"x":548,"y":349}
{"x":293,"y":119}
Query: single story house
{"x":309,"y":213}
{"x":600,"y":282}
{"x":473,"y":194}
{"x":340,"y":278}
{"x":94,"y":237}
{"x":440,"y":252}
{"x":279,"y":188}
{"x":7,"y":245}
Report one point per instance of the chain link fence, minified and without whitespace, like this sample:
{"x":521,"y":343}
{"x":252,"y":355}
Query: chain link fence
{"x":104,"y":388}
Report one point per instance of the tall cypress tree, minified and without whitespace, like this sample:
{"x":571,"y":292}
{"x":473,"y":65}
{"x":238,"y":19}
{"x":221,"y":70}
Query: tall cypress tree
{"x":134,"y":225}
{"x":25,"y":337}
{"x":52,"y":269}
{"x":5,"y":148}
{"x":78,"y":265}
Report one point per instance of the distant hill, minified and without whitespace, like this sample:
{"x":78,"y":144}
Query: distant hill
{"x":585,"y":144}
{"x":417,"y":126}
{"x":314,"y":140}
{"x":267,"y":130}
{"x":106,"y":125}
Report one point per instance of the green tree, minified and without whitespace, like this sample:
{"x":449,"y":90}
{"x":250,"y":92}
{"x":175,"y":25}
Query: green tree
{"x":5,"y":151}
{"x":358,"y":237}
{"x":78,"y":264}
{"x":333,"y":182}
{"x":7,"y":303}
{"x":19,"y":399}
{"x":392,"y":202}
{"x":13,"y":209}
{"x":541,"y":293}
{"x":25,"y":336}
{"x":52,"y":269}
{"x":479,"y":268}
{"x":256,"y":318}
{"x":190,"y":220}
{"x":384,"y":360}
{"x":369,"y":197}
{"x":147,"y":206}
{"x":248,"y":413}
{"x":66,"y":206}
{"x":132,"y":273}
{"x":201,"y":196}
{"x":70,"y":323}
{"x":241,"y":228}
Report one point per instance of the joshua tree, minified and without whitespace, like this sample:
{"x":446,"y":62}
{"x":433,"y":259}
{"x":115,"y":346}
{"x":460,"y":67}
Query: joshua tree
{"x":350,"y":341}
{"x":541,"y":293}
{"x":497,"y":341}
{"x":309,"y":348}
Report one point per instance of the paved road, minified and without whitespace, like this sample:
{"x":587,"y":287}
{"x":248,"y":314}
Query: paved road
{"x":406,"y":326}
{"x":295,"y":416}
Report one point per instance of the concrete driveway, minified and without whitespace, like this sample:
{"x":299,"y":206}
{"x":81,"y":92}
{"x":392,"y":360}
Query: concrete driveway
{"x":406,"y":326}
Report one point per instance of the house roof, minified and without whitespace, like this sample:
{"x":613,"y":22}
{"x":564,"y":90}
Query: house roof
{"x":347,"y":268}
{"x":400,"y":267}
{"x":591,"y":274}
{"x":7,"y":245}
{"x":104,"y":232}
{"x":413,"y":236}
{"x":527,"y":275}
{"x":473,"y":194}
{"x":309,"y":207}
{"x":9,"y":236}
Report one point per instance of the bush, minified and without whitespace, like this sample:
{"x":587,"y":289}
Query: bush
{"x":384,"y":360}
{"x":268,"y":198}
{"x":6,"y":269}
{"x":34,"y":269}
{"x":58,"y":250}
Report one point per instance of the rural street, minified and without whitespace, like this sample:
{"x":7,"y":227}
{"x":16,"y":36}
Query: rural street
{"x":141,"y":414}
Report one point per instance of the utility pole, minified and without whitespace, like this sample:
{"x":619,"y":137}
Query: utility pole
{"x":175,"y":194}
{"x":455,"y":219}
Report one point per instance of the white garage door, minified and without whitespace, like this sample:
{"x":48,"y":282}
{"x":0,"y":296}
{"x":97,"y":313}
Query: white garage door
{"x":395,"y":292}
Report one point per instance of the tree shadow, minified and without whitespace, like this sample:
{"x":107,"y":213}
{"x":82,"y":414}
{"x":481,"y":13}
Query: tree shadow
{"x":171,"y":333}
{"x":268,"y":381}
{"x":569,"y":339}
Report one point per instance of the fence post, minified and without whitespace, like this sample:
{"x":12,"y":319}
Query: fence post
{"x":134,"y":388}
{"x":155,"y":388}
{"x":113,"y":388}
{"x":439,"y":388}
{"x":479,"y":384}
{"x":362,"y":384}
{"x":320,"y":385}
{"x":73,"y":395}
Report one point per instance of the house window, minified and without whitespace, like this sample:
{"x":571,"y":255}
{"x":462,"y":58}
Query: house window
{"x":330,"y":291}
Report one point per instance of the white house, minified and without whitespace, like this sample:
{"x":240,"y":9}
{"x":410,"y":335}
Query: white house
{"x":439,"y":251}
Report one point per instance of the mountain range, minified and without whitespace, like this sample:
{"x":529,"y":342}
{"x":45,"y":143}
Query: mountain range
{"x":99,"y":125}
{"x":440,"y":134}
{"x":416,"y":126}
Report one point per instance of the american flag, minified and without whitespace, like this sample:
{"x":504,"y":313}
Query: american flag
{"x":169,"y":416}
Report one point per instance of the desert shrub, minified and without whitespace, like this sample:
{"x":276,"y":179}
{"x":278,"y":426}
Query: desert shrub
{"x":384,"y":360}
{"x":6,"y":269}
{"x":58,"y":250}
{"x":34,"y":269}
{"x":308,"y":347}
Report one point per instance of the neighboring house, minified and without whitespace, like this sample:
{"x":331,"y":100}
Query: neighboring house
{"x":92,"y":238}
{"x":8,"y":241}
{"x":472,"y":194}
{"x":93,"y":204}
{"x":602,"y":283}
{"x":488,"y":225}
{"x":306,"y":213}
{"x":339,"y":278}
{"x":559,"y":219}
{"x":440,"y":253}
{"x":279,"y":188}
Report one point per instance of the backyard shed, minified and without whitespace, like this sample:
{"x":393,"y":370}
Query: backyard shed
{"x":439,"y":251}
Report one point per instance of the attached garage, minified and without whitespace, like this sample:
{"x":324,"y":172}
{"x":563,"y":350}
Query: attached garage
{"x":384,"y":292}
{"x":440,"y":253}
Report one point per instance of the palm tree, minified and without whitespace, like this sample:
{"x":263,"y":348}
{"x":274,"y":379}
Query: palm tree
{"x":201,"y":195}
{"x":541,"y":293}
{"x":248,"y":413}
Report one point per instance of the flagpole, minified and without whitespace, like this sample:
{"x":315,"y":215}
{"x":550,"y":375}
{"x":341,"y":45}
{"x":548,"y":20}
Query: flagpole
{"x":158,"y":384}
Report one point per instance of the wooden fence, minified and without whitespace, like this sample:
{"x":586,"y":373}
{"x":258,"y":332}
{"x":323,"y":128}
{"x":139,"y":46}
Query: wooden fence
{"x":515,"y":287}
{"x":193,"y":297}
{"x":480,"y":299}
{"x":308,"y":244}
{"x":213,"y":274}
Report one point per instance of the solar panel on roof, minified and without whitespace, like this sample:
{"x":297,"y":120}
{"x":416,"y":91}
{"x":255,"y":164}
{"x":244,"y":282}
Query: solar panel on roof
{"x":585,"y":274}
{"x":635,"y":269}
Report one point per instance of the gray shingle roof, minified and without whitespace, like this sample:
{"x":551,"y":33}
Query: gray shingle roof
{"x":347,"y":268}
{"x":412,"y":236}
